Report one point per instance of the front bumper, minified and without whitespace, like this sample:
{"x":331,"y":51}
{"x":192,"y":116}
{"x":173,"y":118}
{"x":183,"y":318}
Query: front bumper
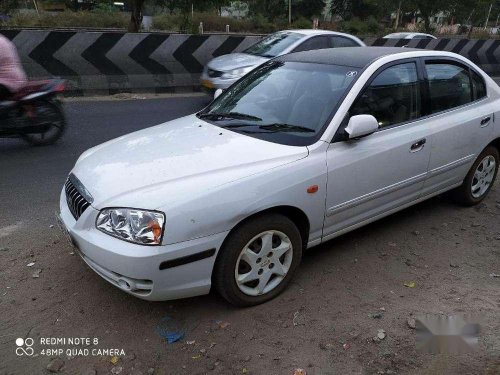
{"x":135,"y":269}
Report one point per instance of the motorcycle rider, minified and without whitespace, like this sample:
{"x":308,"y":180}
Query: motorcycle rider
{"x":12,"y":75}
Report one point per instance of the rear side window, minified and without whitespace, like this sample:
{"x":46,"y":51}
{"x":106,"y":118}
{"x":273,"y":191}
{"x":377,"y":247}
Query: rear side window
{"x":318,"y":42}
{"x":478,"y":86}
{"x":449,"y":85}
{"x":341,"y":41}
{"x":393,"y":97}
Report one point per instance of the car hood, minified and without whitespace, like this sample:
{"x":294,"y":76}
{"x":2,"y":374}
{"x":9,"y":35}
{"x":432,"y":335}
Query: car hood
{"x":235,"y":61}
{"x":174,"y":160}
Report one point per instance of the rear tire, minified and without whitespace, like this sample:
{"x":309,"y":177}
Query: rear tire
{"x":49,"y":111}
{"x":480,"y":178}
{"x":266,"y":250}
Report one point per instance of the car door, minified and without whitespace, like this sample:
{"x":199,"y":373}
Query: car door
{"x":316,"y":42}
{"x":377,"y":174}
{"x":460,"y":119}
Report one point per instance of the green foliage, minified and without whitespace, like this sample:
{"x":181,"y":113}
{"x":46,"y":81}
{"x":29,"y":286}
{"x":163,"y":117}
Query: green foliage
{"x":104,"y":7}
{"x":353,"y":26}
{"x":276,"y":10}
{"x":357,"y":26}
{"x":211,"y":23}
{"x":372,"y":26}
{"x":302,"y":23}
{"x":307,"y":8}
{"x":262,"y":24}
{"x":8,"y":6}
{"x":68,"y":19}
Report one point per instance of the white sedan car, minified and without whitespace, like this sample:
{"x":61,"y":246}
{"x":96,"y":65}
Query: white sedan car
{"x":406,"y":35}
{"x":223,"y":71}
{"x":305,"y":148}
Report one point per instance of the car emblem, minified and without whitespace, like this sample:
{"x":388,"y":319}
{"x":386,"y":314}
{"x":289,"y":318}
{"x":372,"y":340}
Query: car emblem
{"x":351,"y":73}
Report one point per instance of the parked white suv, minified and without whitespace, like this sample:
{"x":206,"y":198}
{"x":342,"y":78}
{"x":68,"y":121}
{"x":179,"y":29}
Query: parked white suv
{"x":303,"y":149}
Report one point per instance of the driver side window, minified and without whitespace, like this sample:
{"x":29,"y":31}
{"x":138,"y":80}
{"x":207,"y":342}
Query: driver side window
{"x":393,"y":97}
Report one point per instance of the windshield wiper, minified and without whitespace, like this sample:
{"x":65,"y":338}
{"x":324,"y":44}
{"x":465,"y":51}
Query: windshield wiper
{"x":286,"y":128}
{"x":229,"y":115}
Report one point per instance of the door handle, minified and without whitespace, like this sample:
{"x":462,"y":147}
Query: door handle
{"x":417,"y":146}
{"x":485,"y":121}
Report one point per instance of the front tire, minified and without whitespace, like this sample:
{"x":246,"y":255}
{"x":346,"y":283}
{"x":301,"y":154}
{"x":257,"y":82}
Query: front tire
{"x":258,"y":260}
{"x":480,"y":178}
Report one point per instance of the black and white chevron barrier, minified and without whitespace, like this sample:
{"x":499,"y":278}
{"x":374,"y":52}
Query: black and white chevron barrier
{"x":112,"y":62}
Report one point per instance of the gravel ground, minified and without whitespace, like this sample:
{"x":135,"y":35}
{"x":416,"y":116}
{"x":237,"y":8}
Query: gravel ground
{"x":324,"y":323}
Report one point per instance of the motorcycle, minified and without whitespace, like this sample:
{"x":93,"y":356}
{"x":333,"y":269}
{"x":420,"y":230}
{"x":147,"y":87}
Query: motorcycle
{"x":34,"y":113}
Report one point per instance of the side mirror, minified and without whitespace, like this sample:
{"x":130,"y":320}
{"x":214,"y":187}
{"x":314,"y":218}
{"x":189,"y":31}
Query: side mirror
{"x":361,"y":125}
{"x":217,"y":93}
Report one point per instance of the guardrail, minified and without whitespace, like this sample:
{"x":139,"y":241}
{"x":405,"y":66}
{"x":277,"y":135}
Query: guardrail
{"x":112,"y":62}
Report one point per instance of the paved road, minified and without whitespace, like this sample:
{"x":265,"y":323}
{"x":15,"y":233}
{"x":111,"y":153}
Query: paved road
{"x":324,"y":322}
{"x":32,"y":177}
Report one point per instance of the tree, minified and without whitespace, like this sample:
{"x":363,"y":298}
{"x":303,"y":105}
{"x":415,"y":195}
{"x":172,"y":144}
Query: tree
{"x":135,"y":16}
{"x":8,"y":6}
{"x":429,"y":8}
{"x":341,"y":9}
{"x":307,"y":8}
{"x":271,"y":9}
{"x":275,"y":9}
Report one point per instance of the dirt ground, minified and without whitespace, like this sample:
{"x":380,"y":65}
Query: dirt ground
{"x":345,"y":291}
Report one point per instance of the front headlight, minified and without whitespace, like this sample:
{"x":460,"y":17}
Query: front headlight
{"x":237,"y":73}
{"x":138,"y":226}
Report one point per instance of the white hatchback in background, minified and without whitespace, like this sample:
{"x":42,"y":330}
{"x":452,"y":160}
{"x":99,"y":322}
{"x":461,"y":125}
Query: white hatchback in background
{"x":304,"y":148}
{"x":223,"y":71}
{"x":406,"y":35}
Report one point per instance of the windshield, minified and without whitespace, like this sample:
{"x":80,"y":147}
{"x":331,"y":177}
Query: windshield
{"x":282,"y":102}
{"x":274,"y":44}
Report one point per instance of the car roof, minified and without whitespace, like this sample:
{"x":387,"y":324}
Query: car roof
{"x":357,"y":57}
{"x":405,"y":34}
{"x":313,"y":32}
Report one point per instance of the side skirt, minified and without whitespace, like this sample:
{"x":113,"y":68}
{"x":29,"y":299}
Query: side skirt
{"x":382,"y":215}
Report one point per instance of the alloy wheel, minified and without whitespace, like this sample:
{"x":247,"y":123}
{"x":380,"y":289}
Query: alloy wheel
{"x":483,"y":176}
{"x":263,"y":263}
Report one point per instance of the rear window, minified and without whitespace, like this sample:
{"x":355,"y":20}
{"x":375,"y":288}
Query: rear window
{"x":449,"y":85}
{"x":341,"y":41}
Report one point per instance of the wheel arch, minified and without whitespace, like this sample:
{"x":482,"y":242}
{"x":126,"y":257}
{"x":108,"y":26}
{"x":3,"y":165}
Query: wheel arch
{"x":298,"y":217}
{"x":496,"y":144}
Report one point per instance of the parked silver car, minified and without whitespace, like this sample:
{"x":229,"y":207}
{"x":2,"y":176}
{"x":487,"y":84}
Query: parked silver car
{"x":304,"y":148}
{"x":223,"y":71}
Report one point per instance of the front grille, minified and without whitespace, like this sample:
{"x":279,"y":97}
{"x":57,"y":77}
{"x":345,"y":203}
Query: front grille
{"x":214,"y":73}
{"x":76,"y":201}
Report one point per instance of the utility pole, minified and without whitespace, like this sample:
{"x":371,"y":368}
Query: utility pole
{"x":289,"y":12}
{"x":488,"y":18}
